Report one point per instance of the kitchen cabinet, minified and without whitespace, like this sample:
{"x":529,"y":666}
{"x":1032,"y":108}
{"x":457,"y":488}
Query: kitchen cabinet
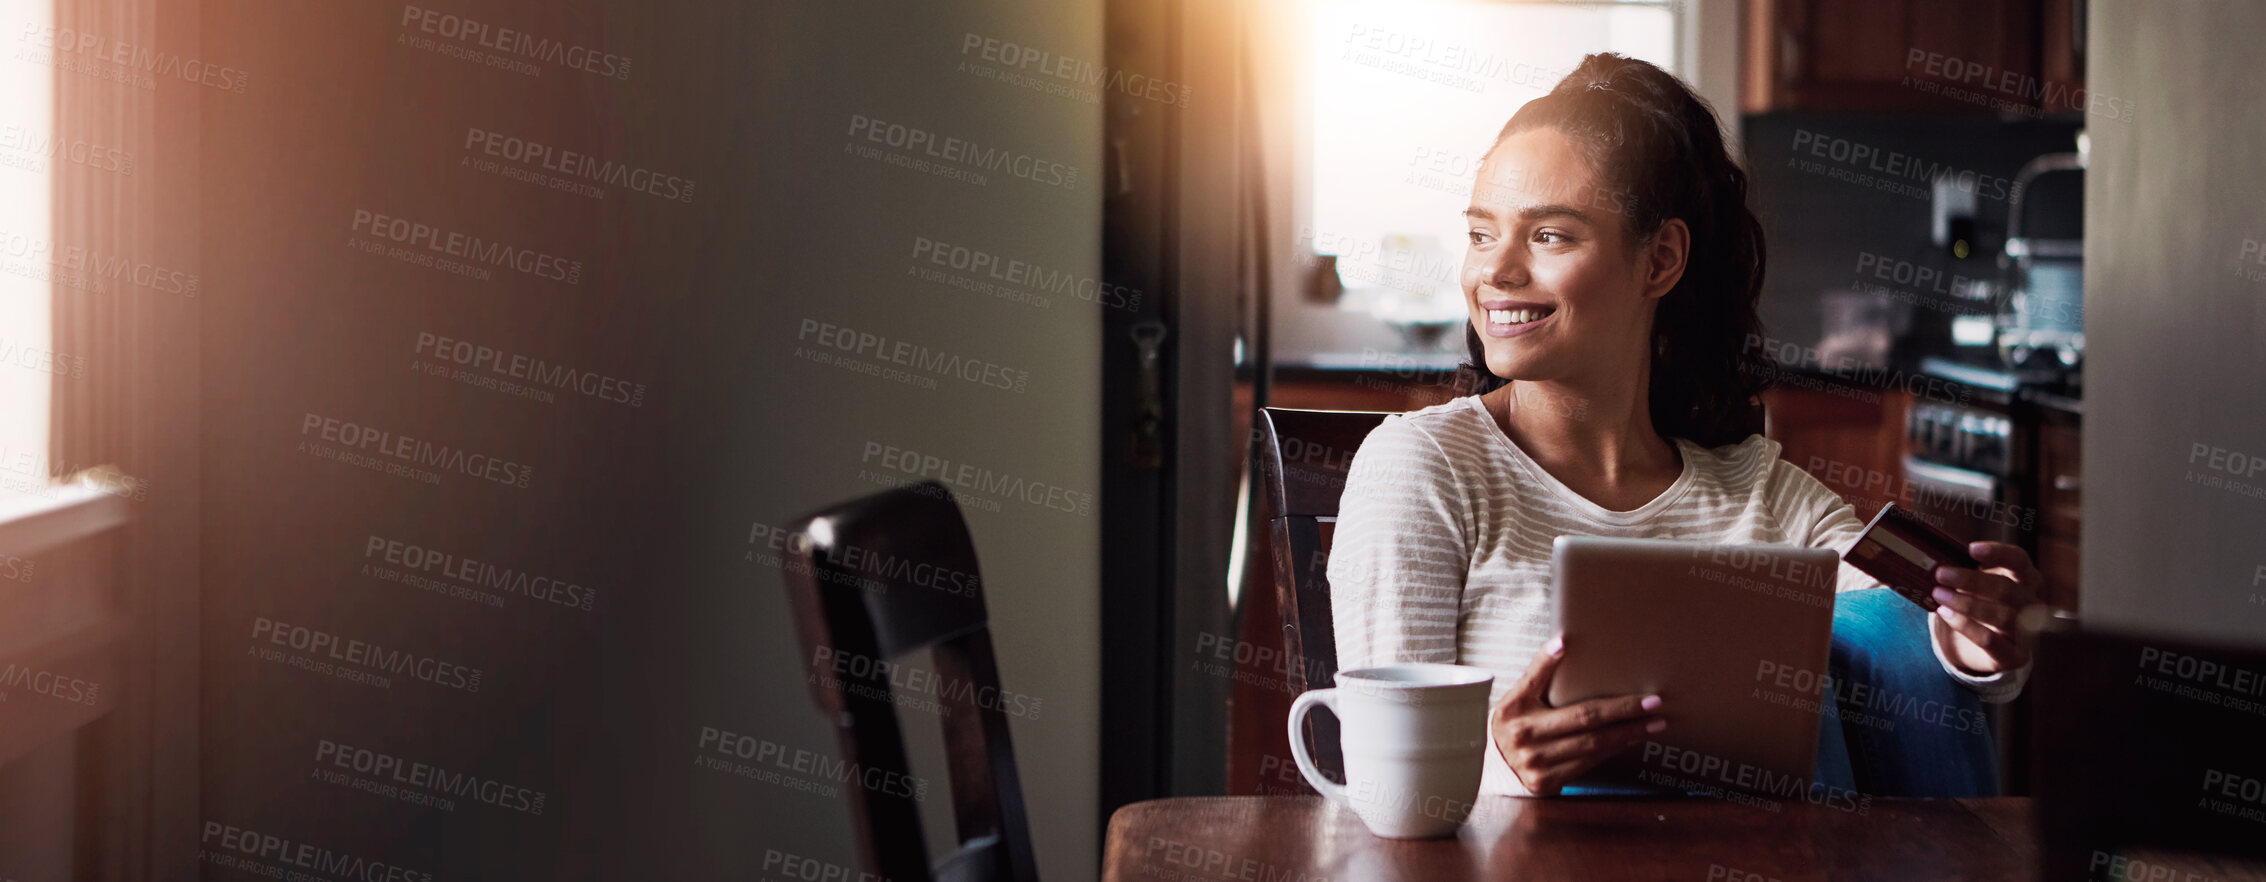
{"x":1849,"y":436}
{"x":2061,"y":59}
{"x":2024,"y":56}
{"x":2059,"y":485}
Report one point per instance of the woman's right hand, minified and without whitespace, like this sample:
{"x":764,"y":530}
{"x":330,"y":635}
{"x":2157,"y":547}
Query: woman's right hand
{"x":1550,"y":746}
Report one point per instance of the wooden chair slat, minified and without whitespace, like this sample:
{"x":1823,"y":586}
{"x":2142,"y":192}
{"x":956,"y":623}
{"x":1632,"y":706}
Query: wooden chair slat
{"x":1304,"y":457}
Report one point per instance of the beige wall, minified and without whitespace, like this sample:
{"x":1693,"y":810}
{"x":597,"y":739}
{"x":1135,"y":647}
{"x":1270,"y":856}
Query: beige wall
{"x":832,"y":239}
{"x":705,"y":303}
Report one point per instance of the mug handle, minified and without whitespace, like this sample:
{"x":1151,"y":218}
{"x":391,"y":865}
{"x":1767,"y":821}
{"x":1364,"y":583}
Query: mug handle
{"x":1298,"y":710}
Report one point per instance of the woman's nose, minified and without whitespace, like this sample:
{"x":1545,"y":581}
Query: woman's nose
{"x":1501,"y":270}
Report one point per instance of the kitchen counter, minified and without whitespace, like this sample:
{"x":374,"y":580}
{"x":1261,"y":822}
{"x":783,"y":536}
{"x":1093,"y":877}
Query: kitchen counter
{"x":1427,"y":368}
{"x":1929,"y":379}
{"x":2054,"y":401}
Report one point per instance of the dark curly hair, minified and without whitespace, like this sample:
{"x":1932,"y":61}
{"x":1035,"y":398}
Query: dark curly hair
{"x":1659,"y":148}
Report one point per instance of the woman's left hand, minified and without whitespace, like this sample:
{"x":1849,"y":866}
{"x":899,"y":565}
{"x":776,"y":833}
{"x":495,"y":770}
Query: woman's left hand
{"x":1983,"y":609}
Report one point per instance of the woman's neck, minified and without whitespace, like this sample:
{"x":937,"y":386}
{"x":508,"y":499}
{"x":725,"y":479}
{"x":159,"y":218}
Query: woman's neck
{"x":1598,"y":442}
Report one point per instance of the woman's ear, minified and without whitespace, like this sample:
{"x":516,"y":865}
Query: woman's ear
{"x":1664,"y":257}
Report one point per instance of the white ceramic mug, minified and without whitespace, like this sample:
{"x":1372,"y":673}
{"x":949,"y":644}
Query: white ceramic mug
{"x":1414,"y":737}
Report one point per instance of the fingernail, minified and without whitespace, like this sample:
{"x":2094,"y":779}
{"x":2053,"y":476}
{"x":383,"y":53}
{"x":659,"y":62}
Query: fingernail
{"x":1656,"y":726}
{"x":1650,"y":702}
{"x":1947,"y":614}
{"x":1948,"y":575}
{"x":1557,"y":645}
{"x":1943,"y":595}
{"x":1978,"y":548}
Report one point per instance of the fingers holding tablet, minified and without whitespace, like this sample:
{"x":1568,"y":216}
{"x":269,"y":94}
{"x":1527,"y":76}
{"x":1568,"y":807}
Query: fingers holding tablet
{"x":1547,"y":747}
{"x":1550,"y":765}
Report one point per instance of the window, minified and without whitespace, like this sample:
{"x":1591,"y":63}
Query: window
{"x":1406,"y":96}
{"x":27,"y":359}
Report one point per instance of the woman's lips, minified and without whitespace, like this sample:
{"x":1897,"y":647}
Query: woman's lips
{"x":1496,"y":326}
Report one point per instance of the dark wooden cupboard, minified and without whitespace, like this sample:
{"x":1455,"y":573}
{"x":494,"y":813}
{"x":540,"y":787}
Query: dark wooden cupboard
{"x":1848,"y":436}
{"x":2060,"y":484}
{"x":2015,"y":56}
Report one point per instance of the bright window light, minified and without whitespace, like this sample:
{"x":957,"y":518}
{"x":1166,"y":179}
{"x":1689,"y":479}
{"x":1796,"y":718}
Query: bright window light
{"x":1407,"y":95}
{"x":27,"y":161}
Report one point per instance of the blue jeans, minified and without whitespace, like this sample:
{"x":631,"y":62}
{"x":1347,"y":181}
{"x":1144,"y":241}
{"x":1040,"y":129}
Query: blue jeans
{"x":1904,"y":727}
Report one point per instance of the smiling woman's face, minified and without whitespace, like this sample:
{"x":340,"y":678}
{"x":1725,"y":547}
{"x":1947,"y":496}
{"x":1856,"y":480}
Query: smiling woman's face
{"x":1551,"y":277}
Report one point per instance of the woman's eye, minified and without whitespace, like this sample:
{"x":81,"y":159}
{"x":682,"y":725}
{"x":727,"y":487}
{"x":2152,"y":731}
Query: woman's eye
{"x":1551,"y":237}
{"x":1478,"y":237}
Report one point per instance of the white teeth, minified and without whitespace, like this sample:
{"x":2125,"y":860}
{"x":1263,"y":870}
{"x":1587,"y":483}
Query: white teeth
{"x":1515,"y":316}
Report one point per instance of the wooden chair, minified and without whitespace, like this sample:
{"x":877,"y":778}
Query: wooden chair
{"x":880,"y":577}
{"x":1304,"y":456}
{"x":2142,"y":745}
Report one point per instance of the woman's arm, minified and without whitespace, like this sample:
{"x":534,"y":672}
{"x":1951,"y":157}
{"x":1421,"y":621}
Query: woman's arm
{"x":1823,"y":520}
{"x":1400,"y":551}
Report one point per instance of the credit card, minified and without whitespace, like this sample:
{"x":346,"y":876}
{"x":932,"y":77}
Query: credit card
{"x":1903,"y":553}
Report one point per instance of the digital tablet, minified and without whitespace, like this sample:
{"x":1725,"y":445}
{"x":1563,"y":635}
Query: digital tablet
{"x":1734,"y":638}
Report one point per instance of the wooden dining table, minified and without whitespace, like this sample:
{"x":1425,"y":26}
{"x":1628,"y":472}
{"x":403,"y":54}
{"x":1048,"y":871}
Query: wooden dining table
{"x":1308,"y":839}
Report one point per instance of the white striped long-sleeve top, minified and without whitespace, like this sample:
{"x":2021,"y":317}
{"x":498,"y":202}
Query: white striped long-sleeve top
{"x":1442,"y":547}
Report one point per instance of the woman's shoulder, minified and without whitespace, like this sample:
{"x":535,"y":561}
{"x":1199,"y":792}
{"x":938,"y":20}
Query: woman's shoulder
{"x":1421,"y":464}
{"x":1747,"y":464}
{"x":1453,"y":427}
{"x":1757,"y":465}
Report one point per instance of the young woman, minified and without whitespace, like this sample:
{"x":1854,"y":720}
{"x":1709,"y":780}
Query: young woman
{"x":1612,"y":278}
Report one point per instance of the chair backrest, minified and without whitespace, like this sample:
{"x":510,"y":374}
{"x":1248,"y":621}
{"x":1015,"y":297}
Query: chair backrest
{"x":871,"y":580}
{"x":2143,"y":743}
{"x":1304,"y":456}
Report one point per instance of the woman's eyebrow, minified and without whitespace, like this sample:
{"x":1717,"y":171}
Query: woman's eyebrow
{"x":1538,"y":212}
{"x":1532,"y":212}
